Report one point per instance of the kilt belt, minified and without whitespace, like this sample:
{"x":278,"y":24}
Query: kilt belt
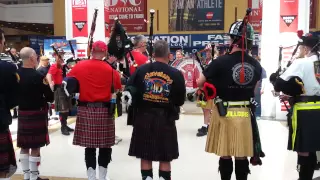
{"x":301,"y":106}
{"x":236,"y":103}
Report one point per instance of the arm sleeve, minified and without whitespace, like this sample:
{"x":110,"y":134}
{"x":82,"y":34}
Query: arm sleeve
{"x":295,"y":70}
{"x":12,"y":86}
{"x":53,"y":70}
{"x":47,"y":92}
{"x":179,"y":90}
{"x":116,"y":80}
{"x":211,"y":71}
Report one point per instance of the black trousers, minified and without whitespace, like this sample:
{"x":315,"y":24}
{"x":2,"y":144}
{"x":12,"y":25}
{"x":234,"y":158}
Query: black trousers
{"x":104,"y":157}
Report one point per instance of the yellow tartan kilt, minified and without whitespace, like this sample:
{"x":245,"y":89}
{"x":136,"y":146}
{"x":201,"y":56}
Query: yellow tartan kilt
{"x":230,"y":135}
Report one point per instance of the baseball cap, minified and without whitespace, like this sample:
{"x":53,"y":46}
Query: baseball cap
{"x":99,"y":46}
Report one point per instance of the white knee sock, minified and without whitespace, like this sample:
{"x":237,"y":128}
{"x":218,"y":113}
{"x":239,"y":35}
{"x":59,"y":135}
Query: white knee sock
{"x":24,"y":160}
{"x":34,"y":165}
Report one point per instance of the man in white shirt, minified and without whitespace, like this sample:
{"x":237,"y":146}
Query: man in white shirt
{"x":302,"y":81}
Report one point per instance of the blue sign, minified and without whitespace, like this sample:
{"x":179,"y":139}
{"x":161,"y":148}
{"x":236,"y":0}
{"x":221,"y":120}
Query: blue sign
{"x":61,"y":44}
{"x":198,"y":41}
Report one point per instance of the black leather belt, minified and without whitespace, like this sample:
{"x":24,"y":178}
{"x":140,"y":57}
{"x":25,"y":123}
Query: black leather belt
{"x":95,"y":104}
{"x":306,"y":99}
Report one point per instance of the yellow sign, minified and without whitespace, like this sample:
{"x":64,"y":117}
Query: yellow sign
{"x":237,"y":114}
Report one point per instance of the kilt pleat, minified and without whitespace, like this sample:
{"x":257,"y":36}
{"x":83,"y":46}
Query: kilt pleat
{"x":62,"y":103}
{"x":33,"y":129}
{"x":230,"y":136}
{"x":8,"y":162}
{"x":95,"y":128}
{"x":154,"y":137}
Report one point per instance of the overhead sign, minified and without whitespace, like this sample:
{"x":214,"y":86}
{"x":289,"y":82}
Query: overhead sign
{"x":79,"y":18}
{"x":131,"y":14}
{"x":196,"y":15}
{"x":289,"y":15}
{"x":197,"y":40}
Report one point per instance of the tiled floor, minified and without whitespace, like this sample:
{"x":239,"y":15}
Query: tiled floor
{"x":62,"y":159}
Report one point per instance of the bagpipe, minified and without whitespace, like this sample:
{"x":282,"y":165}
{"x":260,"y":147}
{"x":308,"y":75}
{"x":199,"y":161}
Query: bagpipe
{"x":281,"y":70}
{"x":119,"y":46}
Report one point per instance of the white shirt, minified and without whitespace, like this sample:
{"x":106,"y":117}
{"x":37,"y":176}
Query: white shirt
{"x":304,"y":68}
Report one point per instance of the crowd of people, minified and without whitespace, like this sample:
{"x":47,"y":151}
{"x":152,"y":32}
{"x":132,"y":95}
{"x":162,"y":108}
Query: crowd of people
{"x":155,"y":93}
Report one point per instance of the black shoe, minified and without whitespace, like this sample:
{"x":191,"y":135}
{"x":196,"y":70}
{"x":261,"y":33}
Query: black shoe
{"x":202,"y":132}
{"x":14,"y":116}
{"x":64,"y":130}
{"x":69,"y":129}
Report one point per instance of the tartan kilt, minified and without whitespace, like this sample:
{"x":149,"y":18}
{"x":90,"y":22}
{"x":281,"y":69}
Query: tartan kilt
{"x":95,"y":128}
{"x":306,"y":138}
{"x":154,"y":136}
{"x":230,"y":136}
{"x":33,"y":129}
{"x":8,"y":162}
{"x":62,"y":103}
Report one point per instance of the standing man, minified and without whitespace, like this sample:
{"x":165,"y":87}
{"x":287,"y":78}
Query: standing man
{"x":43,"y":68}
{"x":9,"y":83}
{"x":98,"y":84}
{"x":34,"y":94}
{"x":160,"y":90}
{"x":232,"y":115}
{"x":304,"y":126}
{"x":61,"y":101}
{"x":140,"y":46}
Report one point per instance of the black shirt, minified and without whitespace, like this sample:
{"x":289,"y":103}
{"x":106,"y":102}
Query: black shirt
{"x":43,"y":70}
{"x":34,"y":91}
{"x":9,"y":83}
{"x":224,"y":74}
{"x":161,"y":85}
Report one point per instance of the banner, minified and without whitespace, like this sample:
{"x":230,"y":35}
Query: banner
{"x":79,"y":18}
{"x":256,"y":15}
{"x":196,"y":15}
{"x":289,"y":15}
{"x":131,"y":13}
{"x":197,"y":40}
{"x":59,"y":43}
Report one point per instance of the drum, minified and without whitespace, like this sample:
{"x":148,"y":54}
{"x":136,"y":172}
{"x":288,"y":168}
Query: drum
{"x":191,"y":70}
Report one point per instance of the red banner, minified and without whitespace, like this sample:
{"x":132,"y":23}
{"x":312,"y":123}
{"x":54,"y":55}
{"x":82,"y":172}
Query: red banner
{"x":256,"y":15}
{"x":79,"y":18}
{"x":131,"y":14}
{"x":289,"y":15}
{"x":106,"y":19}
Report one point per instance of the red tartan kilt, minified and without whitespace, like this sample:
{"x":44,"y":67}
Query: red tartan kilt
{"x":33,"y":129}
{"x":95,"y":128}
{"x":7,"y":155}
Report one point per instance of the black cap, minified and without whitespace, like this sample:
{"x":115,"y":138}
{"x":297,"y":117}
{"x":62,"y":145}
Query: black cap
{"x":310,"y":41}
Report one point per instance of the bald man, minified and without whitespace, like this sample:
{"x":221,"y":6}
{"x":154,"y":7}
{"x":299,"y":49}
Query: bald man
{"x":34,"y":95}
